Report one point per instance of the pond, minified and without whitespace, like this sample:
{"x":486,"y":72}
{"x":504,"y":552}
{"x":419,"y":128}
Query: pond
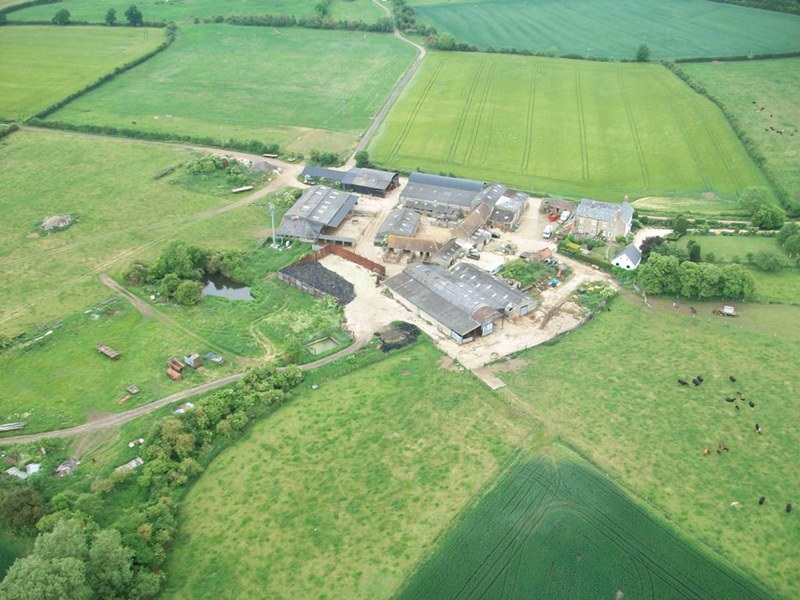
{"x":219,"y":285}
{"x":323,"y":345}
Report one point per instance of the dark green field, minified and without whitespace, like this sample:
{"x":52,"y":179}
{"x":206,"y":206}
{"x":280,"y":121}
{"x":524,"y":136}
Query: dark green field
{"x":614,"y":28}
{"x":558,"y":529}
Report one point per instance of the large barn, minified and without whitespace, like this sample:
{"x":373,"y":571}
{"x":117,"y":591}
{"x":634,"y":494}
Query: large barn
{"x":400,"y":221}
{"x":372,"y":182}
{"x":465,"y":302}
{"x":447,"y":197}
{"x":316,"y":214}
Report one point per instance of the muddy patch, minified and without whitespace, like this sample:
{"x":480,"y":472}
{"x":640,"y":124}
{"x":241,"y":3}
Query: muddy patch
{"x":448,"y":364}
{"x":509,"y":366}
{"x":397,"y":336}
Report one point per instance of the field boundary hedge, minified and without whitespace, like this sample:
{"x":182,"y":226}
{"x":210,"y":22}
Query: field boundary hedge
{"x":781,"y":192}
{"x":382,"y":25}
{"x":781,"y":6}
{"x":24,"y":5}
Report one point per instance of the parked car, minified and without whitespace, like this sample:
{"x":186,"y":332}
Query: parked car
{"x":473,"y":254}
{"x":548,"y":231}
{"x":565,"y":215}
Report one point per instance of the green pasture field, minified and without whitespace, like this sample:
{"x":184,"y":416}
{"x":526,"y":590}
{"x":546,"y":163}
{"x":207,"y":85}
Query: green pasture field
{"x":727,"y":247}
{"x":94,"y":11}
{"x":123,"y":214}
{"x":342,"y":490}
{"x":301,"y":88}
{"x":558,"y":529}
{"x":61,"y":380}
{"x":781,"y":287}
{"x":264,"y":325}
{"x":614,"y":29}
{"x":747,"y":87}
{"x":709,"y":205}
{"x":576,"y":128}
{"x":617,"y":402}
{"x":42,"y":65}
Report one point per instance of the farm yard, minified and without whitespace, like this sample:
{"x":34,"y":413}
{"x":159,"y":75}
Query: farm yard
{"x":597,"y":130}
{"x":555,"y":528}
{"x":411,"y":443}
{"x":94,"y":11}
{"x":761,"y":97}
{"x":40,"y":65}
{"x":628,"y":415}
{"x":195,"y":89}
{"x":676,"y":29}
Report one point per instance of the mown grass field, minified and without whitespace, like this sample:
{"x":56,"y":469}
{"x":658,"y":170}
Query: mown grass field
{"x":748,"y":87}
{"x":94,"y":11}
{"x":62,"y":381}
{"x":41,"y":65}
{"x":709,"y":205}
{"x":677,"y":29}
{"x":123,"y":214}
{"x":343,"y":489}
{"x":554,"y":528}
{"x":728,"y":247}
{"x":570,"y":127}
{"x":301,"y":88}
{"x":617,"y":402}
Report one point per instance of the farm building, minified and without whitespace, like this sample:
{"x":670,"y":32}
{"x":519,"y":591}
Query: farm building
{"x":464,"y":302}
{"x":627,"y":258}
{"x":603,"y":219}
{"x":363,"y":181}
{"x":400,"y":221}
{"x":421,"y":248}
{"x":316,"y":214}
{"x":508,"y":209}
{"x":447,"y":254}
{"x":470,"y":227}
{"x":446,"y":197}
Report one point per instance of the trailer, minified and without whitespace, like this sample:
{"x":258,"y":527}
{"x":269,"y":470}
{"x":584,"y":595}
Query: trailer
{"x":107,"y":351}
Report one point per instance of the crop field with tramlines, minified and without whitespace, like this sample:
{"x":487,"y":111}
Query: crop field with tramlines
{"x":94,"y":11}
{"x":572,"y":127}
{"x":614,"y":28}
{"x":41,"y":65}
{"x":558,"y":529}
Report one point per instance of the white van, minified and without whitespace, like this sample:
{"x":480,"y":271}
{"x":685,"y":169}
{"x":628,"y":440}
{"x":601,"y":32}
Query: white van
{"x":548,"y":231}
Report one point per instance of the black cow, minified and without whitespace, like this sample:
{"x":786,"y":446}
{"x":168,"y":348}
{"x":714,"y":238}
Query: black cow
{"x":761,"y":500}
{"x":729,"y":399}
{"x":758,"y":429}
{"x":694,"y":381}
{"x":751,"y":404}
{"x":789,"y":507}
{"x":700,"y":378}
{"x":682,"y":382}
{"x":732,"y":378}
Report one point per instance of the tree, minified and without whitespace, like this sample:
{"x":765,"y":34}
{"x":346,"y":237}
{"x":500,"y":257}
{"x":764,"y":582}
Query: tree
{"x":20,"y":506}
{"x":736,"y":282}
{"x":753,"y":197}
{"x":3,"y":19}
{"x":769,"y":216}
{"x":294,"y":349}
{"x":787,"y":231}
{"x":134,"y":16}
{"x":792,"y":245}
{"x":62,"y":17}
{"x":643,"y":53}
{"x":108,"y":570}
{"x":169,"y":285}
{"x":767,"y":261}
{"x":681,"y":224}
{"x":659,"y":275}
{"x":189,"y":293}
{"x":362,"y":159}
{"x":649,"y":244}
{"x":35,"y":578}
{"x":67,"y":540}
{"x":111,"y":16}
{"x":445,"y":41}
{"x":694,"y":251}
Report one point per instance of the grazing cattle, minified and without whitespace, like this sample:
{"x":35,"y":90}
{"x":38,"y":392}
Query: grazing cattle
{"x":751,"y":404}
{"x":758,"y":429}
{"x":761,"y":500}
{"x":693,"y":310}
{"x":700,"y":378}
{"x":737,"y":407}
{"x":732,"y":378}
{"x":740,"y":394}
{"x":729,"y":399}
{"x":694,"y":381}
{"x":789,"y":507}
{"x":682,"y":382}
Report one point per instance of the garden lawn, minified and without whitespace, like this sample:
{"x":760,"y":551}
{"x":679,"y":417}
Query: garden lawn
{"x":41,"y":65}
{"x":301,"y":88}
{"x":62,"y":381}
{"x":568,"y":127}
{"x":345,"y":488}
{"x":123,"y":214}
{"x":94,"y":11}
{"x":614,"y":28}
{"x":617,"y":402}
{"x":728,"y":247}
{"x":762,"y":95}
{"x":555,"y":528}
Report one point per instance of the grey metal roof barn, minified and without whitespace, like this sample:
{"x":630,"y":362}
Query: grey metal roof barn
{"x":318,"y":208}
{"x":364,"y":181}
{"x":400,"y":221}
{"x":433,"y":193}
{"x":463,"y":299}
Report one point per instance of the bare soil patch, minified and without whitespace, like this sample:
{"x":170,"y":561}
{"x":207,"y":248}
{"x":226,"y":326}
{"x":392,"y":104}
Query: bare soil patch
{"x":509,"y":366}
{"x":448,"y":364}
